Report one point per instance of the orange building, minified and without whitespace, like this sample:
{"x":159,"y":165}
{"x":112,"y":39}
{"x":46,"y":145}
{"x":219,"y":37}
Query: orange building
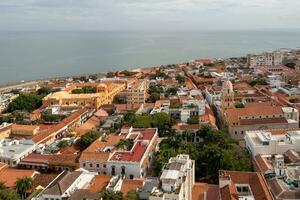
{"x":104,"y":95}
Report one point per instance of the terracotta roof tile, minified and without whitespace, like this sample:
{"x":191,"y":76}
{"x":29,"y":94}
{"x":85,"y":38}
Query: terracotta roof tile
{"x":262,"y":164}
{"x":131,"y":184}
{"x":254,"y":179}
{"x":99,"y":183}
{"x":64,"y":160}
{"x":198,"y":191}
{"x":42,"y":180}
{"x":9,"y":176}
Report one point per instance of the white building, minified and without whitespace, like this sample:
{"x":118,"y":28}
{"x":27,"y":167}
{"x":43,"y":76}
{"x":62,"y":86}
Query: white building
{"x":161,"y":106}
{"x":265,"y":59}
{"x":65,"y":184}
{"x":213,"y":95}
{"x":272,"y":141}
{"x":12,"y":151}
{"x":191,"y":107}
{"x":104,"y":157}
{"x":177,"y":179}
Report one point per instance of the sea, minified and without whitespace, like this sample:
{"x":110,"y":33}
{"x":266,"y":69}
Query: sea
{"x":30,"y":55}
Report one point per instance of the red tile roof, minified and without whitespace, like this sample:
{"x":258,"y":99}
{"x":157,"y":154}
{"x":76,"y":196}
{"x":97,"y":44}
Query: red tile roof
{"x":135,"y":155}
{"x":70,"y":160}
{"x":45,"y":135}
{"x":131,"y":184}
{"x":35,"y":158}
{"x":99,"y":183}
{"x":254,"y":179}
{"x":9,"y":176}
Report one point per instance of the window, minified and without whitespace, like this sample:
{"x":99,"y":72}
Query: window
{"x":123,"y":170}
{"x":131,"y":176}
{"x":83,"y":164}
{"x":104,"y":166}
{"x":113,"y":170}
{"x":91,"y":165}
{"x":98,"y":165}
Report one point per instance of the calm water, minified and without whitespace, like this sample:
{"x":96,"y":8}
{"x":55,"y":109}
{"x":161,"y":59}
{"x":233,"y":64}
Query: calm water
{"x":35,"y":55}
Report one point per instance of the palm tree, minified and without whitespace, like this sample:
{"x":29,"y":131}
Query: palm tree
{"x":22,"y":185}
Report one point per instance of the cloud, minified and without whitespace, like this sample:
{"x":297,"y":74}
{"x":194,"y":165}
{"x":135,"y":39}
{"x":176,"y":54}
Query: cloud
{"x":147,"y":14}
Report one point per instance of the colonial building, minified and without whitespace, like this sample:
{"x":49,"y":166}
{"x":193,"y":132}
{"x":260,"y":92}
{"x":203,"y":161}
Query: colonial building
{"x":227,"y":98}
{"x":105,"y":156}
{"x":243,"y":186}
{"x":256,"y":117}
{"x":104,"y":95}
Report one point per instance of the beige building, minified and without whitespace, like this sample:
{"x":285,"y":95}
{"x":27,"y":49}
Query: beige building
{"x":265,"y":59}
{"x":256,"y":117}
{"x":104,"y":95}
{"x":137,"y":93}
{"x":227,"y":95}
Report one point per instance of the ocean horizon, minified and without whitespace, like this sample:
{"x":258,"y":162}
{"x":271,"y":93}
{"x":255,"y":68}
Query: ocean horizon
{"x":30,"y":55}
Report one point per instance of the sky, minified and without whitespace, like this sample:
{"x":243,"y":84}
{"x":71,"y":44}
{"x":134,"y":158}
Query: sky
{"x":127,"y":15}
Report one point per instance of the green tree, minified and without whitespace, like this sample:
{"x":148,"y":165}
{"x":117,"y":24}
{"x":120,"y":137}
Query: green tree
{"x":172,"y":91}
{"x":155,"y":89}
{"x":163,"y":122}
{"x":110,"y":74}
{"x":87,"y":139}
{"x":259,"y":81}
{"x":193,"y":120}
{"x":142,"y":121}
{"x":239,"y":105}
{"x":153,"y":97}
{"x":62,"y":144}
{"x":2,"y":186}
{"x":51,"y":118}
{"x":180,"y":79}
{"x":126,"y":144}
{"x":27,"y":102}
{"x":9,"y":194}
{"x":84,"y":90}
{"x":217,"y":151}
{"x":129,"y":118}
{"x":22,"y":185}
{"x":43,"y":91}
{"x":110,"y":195}
{"x":132,"y":195}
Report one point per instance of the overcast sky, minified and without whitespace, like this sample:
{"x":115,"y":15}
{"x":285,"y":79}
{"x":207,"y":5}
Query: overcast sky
{"x":148,"y":14}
